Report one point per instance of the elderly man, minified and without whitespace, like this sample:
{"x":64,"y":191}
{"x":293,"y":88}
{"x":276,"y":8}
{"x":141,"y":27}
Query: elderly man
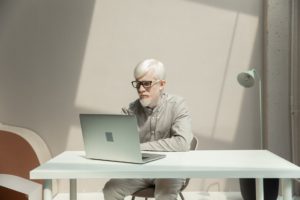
{"x":164,"y":124}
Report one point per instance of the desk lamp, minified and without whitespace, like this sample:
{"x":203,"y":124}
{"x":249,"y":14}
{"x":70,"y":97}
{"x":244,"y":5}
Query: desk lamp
{"x":247,"y":79}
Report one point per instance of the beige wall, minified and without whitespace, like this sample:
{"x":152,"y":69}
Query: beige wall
{"x":59,"y":58}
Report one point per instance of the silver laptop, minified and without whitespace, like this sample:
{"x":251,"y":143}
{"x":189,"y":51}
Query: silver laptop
{"x":113,"y":138}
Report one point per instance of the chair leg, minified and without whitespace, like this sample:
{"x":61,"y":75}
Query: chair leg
{"x":181,"y":196}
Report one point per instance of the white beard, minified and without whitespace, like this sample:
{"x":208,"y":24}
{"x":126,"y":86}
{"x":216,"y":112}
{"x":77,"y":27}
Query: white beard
{"x":145,"y":102}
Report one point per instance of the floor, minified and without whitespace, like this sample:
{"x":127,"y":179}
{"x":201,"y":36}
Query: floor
{"x":187,"y":195}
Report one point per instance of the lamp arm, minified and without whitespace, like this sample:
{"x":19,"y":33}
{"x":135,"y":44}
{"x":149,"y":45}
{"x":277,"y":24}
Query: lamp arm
{"x":256,"y":74}
{"x":247,"y":79}
{"x":262,"y":143}
{"x":261,"y":116}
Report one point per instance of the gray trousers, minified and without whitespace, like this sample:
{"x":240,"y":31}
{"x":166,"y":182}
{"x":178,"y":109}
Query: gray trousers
{"x":165,"y":189}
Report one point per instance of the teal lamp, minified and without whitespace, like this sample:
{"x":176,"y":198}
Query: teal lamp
{"x":247,"y":79}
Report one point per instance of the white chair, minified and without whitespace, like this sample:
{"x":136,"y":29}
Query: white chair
{"x":21,"y":150}
{"x":31,"y":189}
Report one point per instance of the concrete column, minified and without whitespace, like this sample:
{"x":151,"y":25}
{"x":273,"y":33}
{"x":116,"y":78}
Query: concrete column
{"x":276,"y":76}
{"x":281,"y":79}
{"x":295,"y":85}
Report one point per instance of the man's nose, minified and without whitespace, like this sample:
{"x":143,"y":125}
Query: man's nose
{"x":141,"y":88}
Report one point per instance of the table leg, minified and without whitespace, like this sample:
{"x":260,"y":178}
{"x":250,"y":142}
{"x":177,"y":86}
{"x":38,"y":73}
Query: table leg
{"x":286,"y":189}
{"x":47,"y":189}
{"x":259,"y":186}
{"x":73,"y":189}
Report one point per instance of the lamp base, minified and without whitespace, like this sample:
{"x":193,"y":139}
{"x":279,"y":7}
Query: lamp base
{"x":271,"y":186}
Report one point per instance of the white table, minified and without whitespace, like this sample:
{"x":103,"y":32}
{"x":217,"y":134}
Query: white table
{"x":256,"y":164}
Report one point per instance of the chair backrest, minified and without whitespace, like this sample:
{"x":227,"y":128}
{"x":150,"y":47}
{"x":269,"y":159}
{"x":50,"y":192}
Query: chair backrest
{"x":21,"y":150}
{"x":17,"y":158}
{"x":194,"y":143}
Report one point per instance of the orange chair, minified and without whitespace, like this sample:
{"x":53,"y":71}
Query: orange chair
{"x":21,"y":150}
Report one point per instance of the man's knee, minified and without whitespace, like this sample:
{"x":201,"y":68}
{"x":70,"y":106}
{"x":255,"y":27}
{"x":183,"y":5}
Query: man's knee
{"x":112,"y":190}
{"x":118,"y":189}
{"x":168,"y":189}
{"x":108,"y":189}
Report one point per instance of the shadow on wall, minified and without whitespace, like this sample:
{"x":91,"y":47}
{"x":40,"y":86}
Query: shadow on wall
{"x":242,"y":6}
{"x":41,"y":53}
{"x":250,"y":99}
{"x":248,"y":122}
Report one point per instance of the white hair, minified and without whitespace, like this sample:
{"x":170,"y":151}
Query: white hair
{"x":150,"y":64}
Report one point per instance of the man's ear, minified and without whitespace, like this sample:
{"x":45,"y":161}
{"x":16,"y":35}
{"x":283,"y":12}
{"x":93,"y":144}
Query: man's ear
{"x":162,"y":84}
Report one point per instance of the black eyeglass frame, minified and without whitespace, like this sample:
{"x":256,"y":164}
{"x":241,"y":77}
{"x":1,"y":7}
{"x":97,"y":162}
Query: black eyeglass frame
{"x":145,"y":84}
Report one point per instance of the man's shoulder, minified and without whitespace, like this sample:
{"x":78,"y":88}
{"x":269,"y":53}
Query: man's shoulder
{"x":174,"y":99}
{"x":176,"y":104}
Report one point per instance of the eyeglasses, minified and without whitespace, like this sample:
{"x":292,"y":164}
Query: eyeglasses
{"x":145,"y":84}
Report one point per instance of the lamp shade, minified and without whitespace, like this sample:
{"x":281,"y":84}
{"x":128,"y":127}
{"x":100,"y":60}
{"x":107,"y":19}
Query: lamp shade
{"x":247,"y":79}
